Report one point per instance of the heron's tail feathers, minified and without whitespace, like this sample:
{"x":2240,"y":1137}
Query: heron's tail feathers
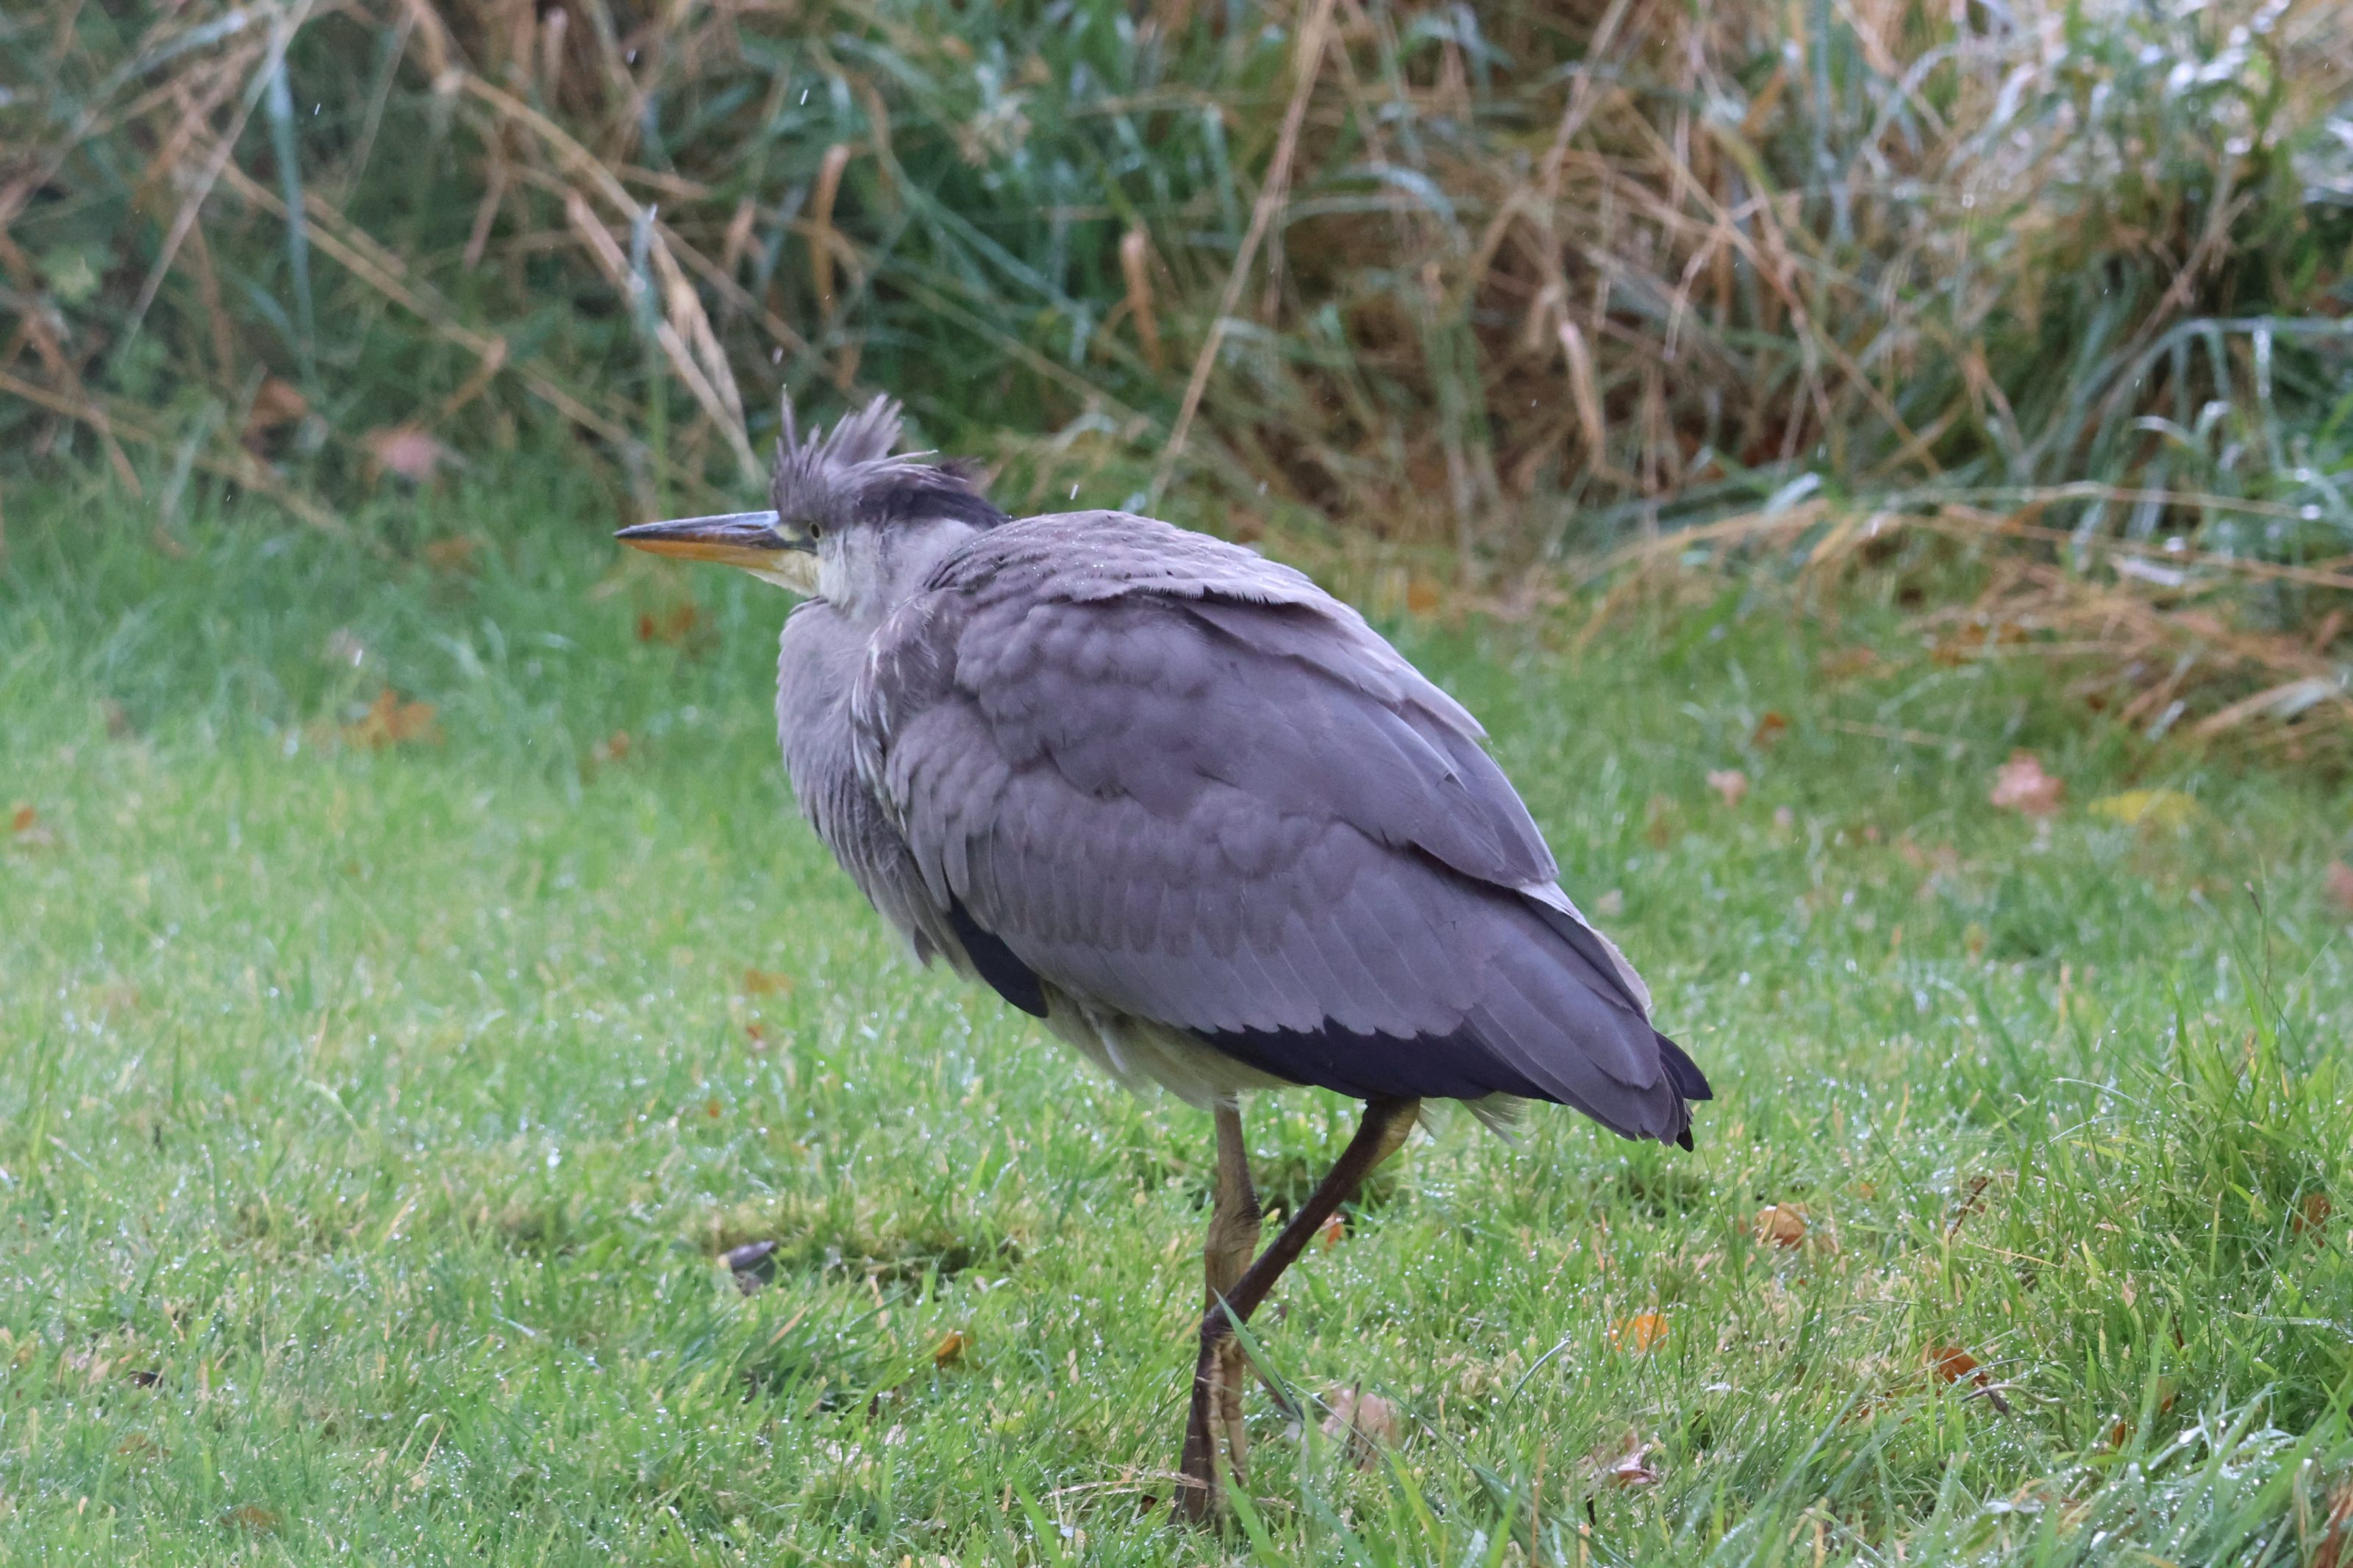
{"x":1682,"y":1072}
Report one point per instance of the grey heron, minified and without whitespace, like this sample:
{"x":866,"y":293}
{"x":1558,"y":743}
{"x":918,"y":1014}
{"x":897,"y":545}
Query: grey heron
{"x":1191,"y":812}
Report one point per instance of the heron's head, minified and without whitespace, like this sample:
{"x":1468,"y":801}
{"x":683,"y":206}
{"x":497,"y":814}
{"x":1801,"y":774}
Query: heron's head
{"x":849,"y":519}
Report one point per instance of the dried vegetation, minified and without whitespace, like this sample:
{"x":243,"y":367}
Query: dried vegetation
{"x":2052,"y":293}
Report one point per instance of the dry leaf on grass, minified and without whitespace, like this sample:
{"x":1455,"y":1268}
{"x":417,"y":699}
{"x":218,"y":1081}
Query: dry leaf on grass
{"x":2021,"y":785}
{"x":1330,"y":1234}
{"x":2311,"y":1217}
{"x":408,"y":451}
{"x":950,"y":1348}
{"x":673,"y":624}
{"x":389,"y":722}
{"x":2338,"y":881}
{"x":276,"y":404}
{"x":1639,"y":1334}
{"x":26,"y":831}
{"x":2146,"y":807}
{"x":611,"y":749}
{"x":1624,"y":1464}
{"x":1367,"y":1421}
{"x":1951,"y":1364}
{"x":1729,"y":782}
{"x":1783,"y":1225}
{"x":767,"y":983}
{"x":2335,"y":1547}
{"x":455,"y":553}
{"x":253,"y":1517}
{"x":1769,"y":729}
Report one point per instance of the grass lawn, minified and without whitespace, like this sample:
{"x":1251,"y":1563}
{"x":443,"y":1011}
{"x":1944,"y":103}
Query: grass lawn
{"x":378,"y":1091}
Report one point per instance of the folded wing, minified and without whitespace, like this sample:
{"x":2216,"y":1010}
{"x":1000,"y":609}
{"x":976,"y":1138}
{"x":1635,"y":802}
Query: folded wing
{"x":1181,"y":782}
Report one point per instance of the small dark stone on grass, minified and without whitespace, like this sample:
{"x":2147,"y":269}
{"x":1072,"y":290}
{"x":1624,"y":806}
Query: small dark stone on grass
{"x":754,"y":1264}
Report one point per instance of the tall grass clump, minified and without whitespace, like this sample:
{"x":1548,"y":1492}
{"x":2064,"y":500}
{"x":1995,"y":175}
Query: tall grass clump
{"x":1510,"y":280}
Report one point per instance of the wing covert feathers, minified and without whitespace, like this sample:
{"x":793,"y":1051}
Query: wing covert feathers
{"x":1179,"y":783}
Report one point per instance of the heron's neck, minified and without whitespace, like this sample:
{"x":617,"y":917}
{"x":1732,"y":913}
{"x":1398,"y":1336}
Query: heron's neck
{"x":867,"y":573}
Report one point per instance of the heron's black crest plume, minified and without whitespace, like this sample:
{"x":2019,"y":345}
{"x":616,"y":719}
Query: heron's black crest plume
{"x":854,"y":475}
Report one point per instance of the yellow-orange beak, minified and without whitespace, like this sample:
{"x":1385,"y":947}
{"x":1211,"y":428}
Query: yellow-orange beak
{"x":747,"y":539}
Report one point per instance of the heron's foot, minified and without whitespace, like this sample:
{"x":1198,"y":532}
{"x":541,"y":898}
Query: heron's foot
{"x":1216,"y":1446}
{"x":1202,"y":1497}
{"x":1214,"y":1421}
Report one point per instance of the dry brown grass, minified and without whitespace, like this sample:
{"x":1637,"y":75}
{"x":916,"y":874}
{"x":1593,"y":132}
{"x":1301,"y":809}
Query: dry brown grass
{"x":2065,"y":280}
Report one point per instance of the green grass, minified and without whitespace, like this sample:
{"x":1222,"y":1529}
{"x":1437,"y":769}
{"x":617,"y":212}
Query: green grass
{"x":370,"y":1121}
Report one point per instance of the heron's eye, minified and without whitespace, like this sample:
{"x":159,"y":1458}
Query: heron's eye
{"x":816,"y":532}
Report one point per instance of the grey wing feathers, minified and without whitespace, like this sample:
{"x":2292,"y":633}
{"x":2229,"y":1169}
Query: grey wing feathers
{"x":1180,"y":782}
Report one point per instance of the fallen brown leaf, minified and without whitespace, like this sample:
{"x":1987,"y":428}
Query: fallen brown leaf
{"x":766,"y":983}
{"x":253,"y":1517}
{"x":950,"y":1348}
{"x":611,"y":749}
{"x":389,"y":722}
{"x":1623,"y":1461}
{"x":1783,"y":1225}
{"x":1951,"y":1364}
{"x":2020,"y":784}
{"x":1421,"y":597}
{"x":1625,"y":1464}
{"x":277,"y":404}
{"x":1839,"y":663}
{"x":1770,"y":731}
{"x":1639,"y":1334}
{"x":1367,"y":1422}
{"x":1331,"y":1233}
{"x":2338,"y":881}
{"x":455,"y":553}
{"x":2312,"y":1215}
{"x":1729,"y":782}
{"x":408,"y":451}
{"x":672,"y":626}
{"x":23,"y":818}
{"x":2335,"y":1547}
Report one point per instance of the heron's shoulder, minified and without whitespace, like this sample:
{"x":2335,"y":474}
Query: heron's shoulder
{"x":1082,"y":556}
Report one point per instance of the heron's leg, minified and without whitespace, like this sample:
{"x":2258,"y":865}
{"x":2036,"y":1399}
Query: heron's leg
{"x":1235,"y":1222}
{"x":1235,"y":1225}
{"x":1380,"y":1134}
